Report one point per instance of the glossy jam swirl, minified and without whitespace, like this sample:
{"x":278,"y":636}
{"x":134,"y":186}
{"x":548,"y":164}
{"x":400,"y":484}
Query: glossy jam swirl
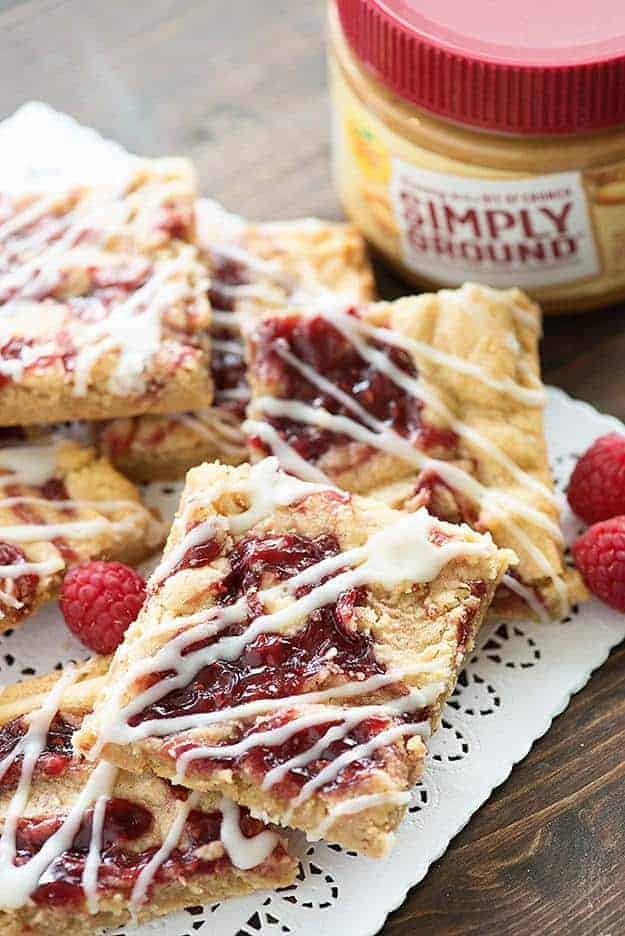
{"x":273,"y":665}
{"x":320,"y":345}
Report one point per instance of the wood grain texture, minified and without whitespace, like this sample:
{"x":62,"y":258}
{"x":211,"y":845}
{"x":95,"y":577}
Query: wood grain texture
{"x":240,"y":88}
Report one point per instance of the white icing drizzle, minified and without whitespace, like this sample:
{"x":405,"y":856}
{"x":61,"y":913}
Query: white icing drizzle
{"x":216,"y":425}
{"x":359,"y":752}
{"x":234,"y":393}
{"x":35,"y":252}
{"x":244,"y":853}
{"x":45,"y":567}
{"x":225,"y":319}
{"x":35,"y":532}
{"x":18,"y":883}
{"x":289,"y":459}
{"x":134,"y":329}
{"x":269,"y":434}
{"x":116,"y":730}
{"x":238,"y":254}
{"x":170,"y":841}
{"x":256,"y":291}
{"x":28,"y":464}
{"x":268,"y":488}
{"x":13,"y":368}
{"x":92,"y":863}
{"x":528,"y":596}
{"x":30,"y":746}
{"x":229,"y":347}
{"x":103,"y":506}
{"x":393,"y":556}
{"x":10,"y":573}
{"x":353,"y":329}
{"x":9,"y":601}
{"x":27,"y":216}
{"x":357,"y":805}
{"x":273,"y":737}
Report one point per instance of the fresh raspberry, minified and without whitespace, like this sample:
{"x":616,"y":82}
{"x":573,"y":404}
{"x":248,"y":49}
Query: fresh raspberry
{"x":600,"y":556}
{"x":99,"y":600}
{"x":597,"y":486}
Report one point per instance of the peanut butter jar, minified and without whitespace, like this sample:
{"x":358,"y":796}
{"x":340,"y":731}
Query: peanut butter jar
{"x":485,"y":141}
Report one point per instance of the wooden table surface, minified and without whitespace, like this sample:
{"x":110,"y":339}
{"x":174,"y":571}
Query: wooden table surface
{"x":239,"y":86}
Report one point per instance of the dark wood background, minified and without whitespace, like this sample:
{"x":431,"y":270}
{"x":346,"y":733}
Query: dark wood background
{"x":239,"y":86}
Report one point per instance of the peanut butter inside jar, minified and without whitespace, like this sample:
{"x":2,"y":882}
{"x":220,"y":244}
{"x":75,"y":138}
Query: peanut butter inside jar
{"x":461,"y":158}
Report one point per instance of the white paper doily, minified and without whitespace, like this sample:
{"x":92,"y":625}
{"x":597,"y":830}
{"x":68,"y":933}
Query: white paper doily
{"x":519,"y":678}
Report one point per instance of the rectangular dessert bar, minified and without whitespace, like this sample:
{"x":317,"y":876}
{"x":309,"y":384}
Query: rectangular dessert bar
{"x":103,"y":301}
{"x":86,"y":846}
{"x":295,"y":651}
{"x":433,"y":400}
{"x":253,"y":268}
{"x":59,"y":505}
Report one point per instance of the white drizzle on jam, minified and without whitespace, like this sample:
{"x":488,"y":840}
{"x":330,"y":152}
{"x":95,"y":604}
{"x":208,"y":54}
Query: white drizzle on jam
{"x":140,"y":890}
{"x":370,"y":431}
{"x":19,"y":882}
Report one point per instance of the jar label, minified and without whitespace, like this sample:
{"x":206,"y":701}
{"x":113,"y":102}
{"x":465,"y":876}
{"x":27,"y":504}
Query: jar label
{"x":532,"y":232}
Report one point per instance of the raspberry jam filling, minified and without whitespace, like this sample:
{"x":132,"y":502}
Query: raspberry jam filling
{"x":318,"y":344}
{"x":125,"y":824}
{"x":202,"y":554}
{"x":53,"y":761}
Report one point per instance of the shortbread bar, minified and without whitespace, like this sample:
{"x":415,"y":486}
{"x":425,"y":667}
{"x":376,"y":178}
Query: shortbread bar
{"x":103,"y":304}
{"x":86,"y":846}
{"x":253,"y":268}
{"x":60,"y":504}
{"x":434,"y":400}
{"x":295,"y":650}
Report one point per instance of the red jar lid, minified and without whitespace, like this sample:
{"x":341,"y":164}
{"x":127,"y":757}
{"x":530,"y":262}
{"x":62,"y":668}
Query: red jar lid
{"x":530,"y":66}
